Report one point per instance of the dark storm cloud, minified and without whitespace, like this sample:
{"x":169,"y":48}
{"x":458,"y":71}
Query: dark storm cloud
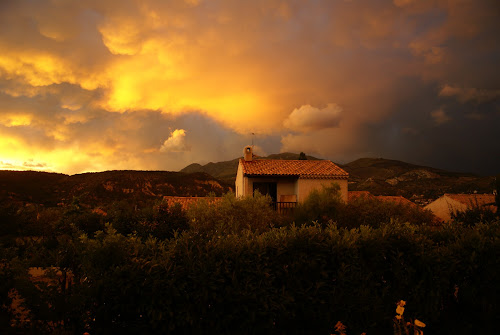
{"x":159,"y":84}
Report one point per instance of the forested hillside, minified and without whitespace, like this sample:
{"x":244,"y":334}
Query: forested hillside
{"x":102,"y":188}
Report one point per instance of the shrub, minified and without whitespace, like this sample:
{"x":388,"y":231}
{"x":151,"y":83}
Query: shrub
{"x":320,"y":205}
{"x":232,"y":215}
{"x":325,"y":205}
{"x":374,"y":212}
{"x":474,"y":215}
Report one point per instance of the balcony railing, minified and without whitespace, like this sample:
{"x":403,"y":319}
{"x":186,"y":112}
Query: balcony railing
{"x":284,"y":207}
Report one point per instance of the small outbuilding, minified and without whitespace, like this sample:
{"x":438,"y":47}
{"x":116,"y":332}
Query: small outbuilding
{"x":286,"y":181}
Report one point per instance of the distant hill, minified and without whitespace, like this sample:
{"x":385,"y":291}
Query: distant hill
{"x":104,"y":187}
{"x":226,"y":171}
{"x":379,"y":176}
{"x":419,"y":183}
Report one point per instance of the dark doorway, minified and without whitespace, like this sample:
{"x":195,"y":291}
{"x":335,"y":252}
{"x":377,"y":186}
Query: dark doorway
{"x":266,"y":188}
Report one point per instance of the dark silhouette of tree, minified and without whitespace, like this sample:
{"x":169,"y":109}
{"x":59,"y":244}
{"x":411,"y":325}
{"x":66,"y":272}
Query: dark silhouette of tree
{"x":302,"y":157}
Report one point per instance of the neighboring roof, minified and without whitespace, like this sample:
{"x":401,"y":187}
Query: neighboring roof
{"x":473,"y":199}
{"x":449,"y":203}
{"x":399,"y":200}
{"x":295,"y":168}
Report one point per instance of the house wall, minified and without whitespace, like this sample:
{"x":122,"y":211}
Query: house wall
{"x":239,"y":183}
{"x":290,"y":186}
{"x":284,"y":186}
{"x":305,"y":186}
{"x":444,"y":206}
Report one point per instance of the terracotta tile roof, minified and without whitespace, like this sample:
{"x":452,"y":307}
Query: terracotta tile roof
{"x":399,"y":200}
{"x":295,"y":168}
{"x":353,"y":195}
{"x":473,"y":199}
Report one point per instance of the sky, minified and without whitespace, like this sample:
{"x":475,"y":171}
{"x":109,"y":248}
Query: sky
{"x":96,"y":85}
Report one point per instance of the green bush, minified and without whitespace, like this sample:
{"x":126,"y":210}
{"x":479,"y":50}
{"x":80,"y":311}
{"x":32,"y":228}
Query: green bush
{"x":320,"y":205}
{"x":232,"y":215}
{"x":291,"y":280}
{"x":238,"y":269}
{"x":374,"y":212}
{"x":474,"y":215}
{"x":325,"y":206}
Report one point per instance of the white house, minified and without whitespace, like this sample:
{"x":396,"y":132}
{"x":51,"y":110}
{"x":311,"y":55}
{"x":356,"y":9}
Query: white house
{"x":287,"y":180}
{"x":444,"y":206}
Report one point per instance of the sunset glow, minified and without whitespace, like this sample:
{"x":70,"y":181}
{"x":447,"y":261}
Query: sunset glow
{"x":99,"y":85}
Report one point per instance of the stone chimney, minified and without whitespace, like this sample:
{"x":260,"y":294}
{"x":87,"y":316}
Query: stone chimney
{"x":247,"y":153}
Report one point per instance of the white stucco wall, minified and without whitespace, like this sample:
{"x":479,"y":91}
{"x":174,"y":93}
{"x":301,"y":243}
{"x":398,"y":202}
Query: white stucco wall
{"x":286,"y":187}
{"x":239,"y":187}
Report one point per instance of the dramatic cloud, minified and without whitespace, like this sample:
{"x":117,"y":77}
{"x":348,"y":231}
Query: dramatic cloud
{"x":176,"y":142}
{"x":309,"y":118}
{"x":95,"y":85}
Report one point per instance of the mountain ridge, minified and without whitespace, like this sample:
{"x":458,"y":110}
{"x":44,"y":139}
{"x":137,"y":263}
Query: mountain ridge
{"x":380,"y":176}
{"x":377,"y":175}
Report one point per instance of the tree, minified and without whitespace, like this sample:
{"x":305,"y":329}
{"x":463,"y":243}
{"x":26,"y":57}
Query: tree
{"x":302,"y":156}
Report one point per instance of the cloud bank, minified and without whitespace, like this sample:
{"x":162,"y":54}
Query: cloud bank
{"x":96,"y":85}
{"x":309,"y":118}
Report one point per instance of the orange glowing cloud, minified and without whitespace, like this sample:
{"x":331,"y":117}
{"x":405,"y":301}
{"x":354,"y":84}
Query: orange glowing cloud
{"x":176,"y":142}
{"x":94,"y":85}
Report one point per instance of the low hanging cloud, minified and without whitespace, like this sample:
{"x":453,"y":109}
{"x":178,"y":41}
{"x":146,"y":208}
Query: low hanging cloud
{"x":439,"y":116}
{"x":36,"y":165}
{"x":308,"y":118}
{"x":176,"y":142}
{"x":23,"y":166}
{"x":469,"y":94}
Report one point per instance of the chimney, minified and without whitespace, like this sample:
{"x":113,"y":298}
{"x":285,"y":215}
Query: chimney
{"x":247,"y":153}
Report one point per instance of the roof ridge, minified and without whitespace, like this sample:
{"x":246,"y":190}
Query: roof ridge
{"x":293,"y":167}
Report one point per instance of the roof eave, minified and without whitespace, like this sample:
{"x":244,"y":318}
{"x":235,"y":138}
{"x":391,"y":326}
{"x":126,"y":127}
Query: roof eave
{"x":305,"y":176}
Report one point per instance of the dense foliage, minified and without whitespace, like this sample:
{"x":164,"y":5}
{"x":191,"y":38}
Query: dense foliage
{"x":325,"y":205}
{"x":236,"y":267}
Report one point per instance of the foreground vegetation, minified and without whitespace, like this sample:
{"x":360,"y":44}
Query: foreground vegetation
{"x":237,"y":267}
